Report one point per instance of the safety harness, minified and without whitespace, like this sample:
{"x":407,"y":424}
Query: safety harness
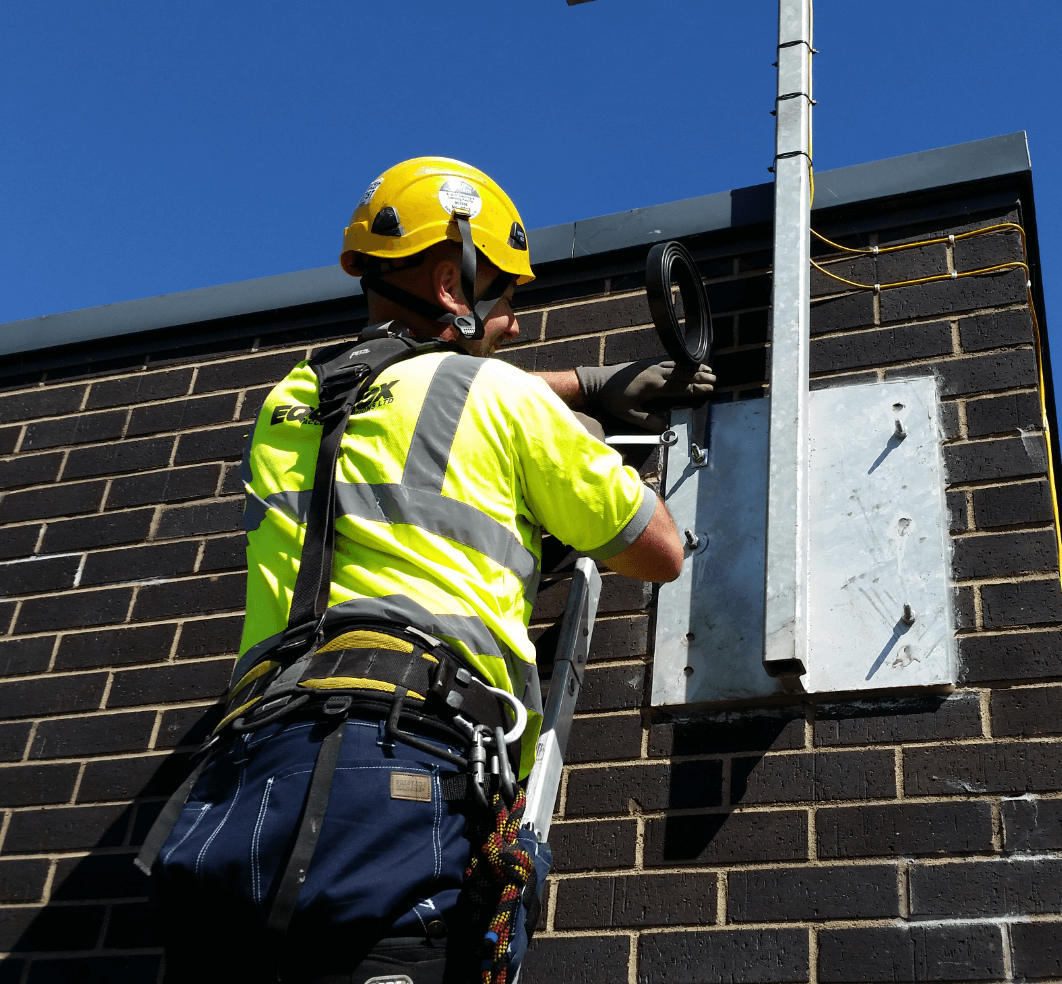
{"x":373,"y":667}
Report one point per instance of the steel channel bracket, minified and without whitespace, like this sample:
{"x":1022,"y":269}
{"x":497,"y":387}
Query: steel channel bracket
{"x":573,"y":648}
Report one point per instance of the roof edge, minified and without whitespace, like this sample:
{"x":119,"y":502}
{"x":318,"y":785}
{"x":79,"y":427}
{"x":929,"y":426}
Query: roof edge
{"x":922,"y":171}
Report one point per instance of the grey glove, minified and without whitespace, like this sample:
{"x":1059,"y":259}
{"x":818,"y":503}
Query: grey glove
{"x":624,"y":390}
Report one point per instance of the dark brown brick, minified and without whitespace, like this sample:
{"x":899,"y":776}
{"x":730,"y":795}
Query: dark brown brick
{"x":74,"y":610}
{"x":115,"y":647}
{"x":979,"y":252}
{"x":13,"y":736}
{"x":1035,"y":950}
{"x":164,"y":684}
{"x":983,"y":461}
{"x":1005,"y":554}
{"x":815,"y":776}
{"x":57,"y":500}
{"x":741,"y":367}
{"x":951,"y":296}
{"x":1031,"y":824}
{"x":1013,"y":505}
{"x":52,"y":928}
{"x":37,"y":574}
{"x":919,"y":719}
{"x":1028,"y":711}
{"x":839,"y":313}
{"x":133,"y":925}
{"x":552,"y":358}
{"x":593,"y":846}
{"x":33,"y":469}
{"x":687,"y":899}
{"x":252,"y":402}
{"x":23,"y":880}
{"x":964,"y":602}
{"x":958,"y":521}
{"x":211,"y":636}
{"x":9,"y":438}
{"x":99,"y":734}
{"x":125,"y":778}
{"x":620,"y":638}
{"x":190,"y":596}
{"x":949,"y":420}
{"x":141,"y":388}
{"x":911,"y":264}
{"x":911,"y":953}
{"x":188,"y":725}
{"x":854,"y":350}
{"x":1021,"y":603}
{"x":644,"y":788}
{"x":86,"y":428}
{"x":734,"y":956}
{"x":67,"y":829}
{"x":601,"y":738}
{"x":989,"y":331}
{"x":739,"y":293}
{"x":97,"y":531}
{"x":182,"y":414}
{"x":632,"y":346}
{"x":856,"y":268}
{"x":906,"y":829}
{"x":197,"y":520}
{"x":241,"y":373}
{"x":36,"y":785}
{"x":44,"y":402}
{"x":224,"y":553}
{"x":790,"y":894}
{"x":172,"y":485}
{"x":218,"y":444}
{"x":1005,"y":767}
{"x":1003,"y":415}
{"x":19,"y":657}
{"x":612,"y":688}
{"x":604,"y":315}
{"x":726,"y":838}
{"x":140,"y":563}
{"x":977,"y":373}
{"x":576,"y":960}
{"x":121,"y":456}
{"x":986,"y":888}
{"x":752,"y":327}
{"x":539,"y":294}
{"x":64,"y":694}
{"x":20,"y":541}
{"x":231,"y":483}
{"x":99,"y":876}
{"x":759,"y":260}
{"x":1028,"y":656}
{"x":732,"y":732}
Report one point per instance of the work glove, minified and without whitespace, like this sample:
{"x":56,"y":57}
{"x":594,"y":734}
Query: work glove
{"x":625,"y":390}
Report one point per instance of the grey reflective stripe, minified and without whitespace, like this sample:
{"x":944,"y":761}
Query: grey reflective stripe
{"x":634,"y":528}
{"x":295,"y":503}
{"x":441,"y":515}
{"x":429,"y":451}
{"x":429,"y":511}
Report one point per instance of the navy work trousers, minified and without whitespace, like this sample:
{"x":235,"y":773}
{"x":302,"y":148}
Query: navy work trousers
{"x":385,"y":866}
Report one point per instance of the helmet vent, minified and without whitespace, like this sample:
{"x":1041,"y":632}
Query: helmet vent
{"x":517,"y":238}
{"x":386,"y":223}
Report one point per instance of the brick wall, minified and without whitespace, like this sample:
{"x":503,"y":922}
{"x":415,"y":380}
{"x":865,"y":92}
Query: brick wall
{"x":901,"y":839}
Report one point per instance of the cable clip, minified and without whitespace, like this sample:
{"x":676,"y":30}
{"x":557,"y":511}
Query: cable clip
{"x":877,"y":288}
{"x":874,"y":250}
{"x":951,"y":239}
{"x":954,"y":274}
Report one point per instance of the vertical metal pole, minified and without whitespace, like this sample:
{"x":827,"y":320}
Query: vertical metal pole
{"x":785,"y":614}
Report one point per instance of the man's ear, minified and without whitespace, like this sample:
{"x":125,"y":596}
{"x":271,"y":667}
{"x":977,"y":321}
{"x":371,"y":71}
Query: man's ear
{"x":446,"y":287}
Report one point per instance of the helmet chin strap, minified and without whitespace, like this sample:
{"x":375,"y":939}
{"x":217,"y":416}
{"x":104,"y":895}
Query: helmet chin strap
{"x":471,"y":325}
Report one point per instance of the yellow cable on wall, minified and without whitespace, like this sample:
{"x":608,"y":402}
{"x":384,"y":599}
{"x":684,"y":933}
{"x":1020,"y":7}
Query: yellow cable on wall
{"x":1000,"y":227}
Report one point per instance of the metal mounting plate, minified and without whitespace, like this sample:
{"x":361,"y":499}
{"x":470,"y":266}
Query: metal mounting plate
{"x":878,"y":541}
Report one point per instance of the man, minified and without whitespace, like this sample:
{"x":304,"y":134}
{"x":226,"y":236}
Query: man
{"x":396,"y":493}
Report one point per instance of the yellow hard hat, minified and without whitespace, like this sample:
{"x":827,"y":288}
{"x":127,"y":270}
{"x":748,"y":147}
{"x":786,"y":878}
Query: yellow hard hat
{"x":413,"y":205}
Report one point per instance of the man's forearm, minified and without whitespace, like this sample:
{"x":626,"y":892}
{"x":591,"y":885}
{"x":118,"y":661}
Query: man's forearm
{"x":566,"y":385}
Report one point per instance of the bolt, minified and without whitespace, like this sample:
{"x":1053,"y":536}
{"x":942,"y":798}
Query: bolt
{"x":696,"y":453}
{"x":899,"y":433}
{"x":908,"y":617}
{"x":692,"y":540}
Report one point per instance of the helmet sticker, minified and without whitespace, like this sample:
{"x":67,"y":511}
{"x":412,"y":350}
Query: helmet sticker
{"x":369,"y":192}
{"x":456,"y":193}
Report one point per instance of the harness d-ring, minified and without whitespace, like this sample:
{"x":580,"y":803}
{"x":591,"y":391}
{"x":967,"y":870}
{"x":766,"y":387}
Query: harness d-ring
{"x":519,"y":711}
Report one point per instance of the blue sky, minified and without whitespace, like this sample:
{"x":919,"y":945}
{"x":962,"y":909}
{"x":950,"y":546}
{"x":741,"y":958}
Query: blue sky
{"x":150,"y":147}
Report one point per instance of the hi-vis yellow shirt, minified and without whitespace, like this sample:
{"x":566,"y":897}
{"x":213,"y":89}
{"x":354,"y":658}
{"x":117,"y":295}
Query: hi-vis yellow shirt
{"x":448,"y":471}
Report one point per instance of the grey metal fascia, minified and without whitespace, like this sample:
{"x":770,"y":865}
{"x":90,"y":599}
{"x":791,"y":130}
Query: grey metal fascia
{"x":182,"y":308}
{"x":959,"y":164}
